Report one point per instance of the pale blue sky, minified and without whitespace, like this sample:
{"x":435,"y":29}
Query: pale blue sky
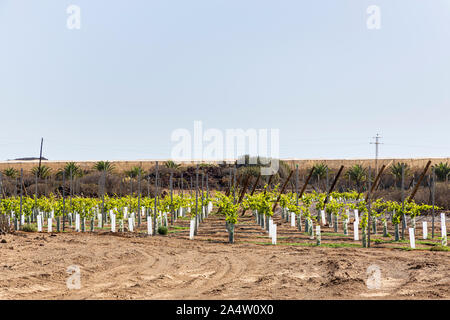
{"x":139,"y":69}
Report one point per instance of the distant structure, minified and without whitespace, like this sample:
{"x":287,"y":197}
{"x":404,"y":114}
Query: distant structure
{"x":27,"y":159}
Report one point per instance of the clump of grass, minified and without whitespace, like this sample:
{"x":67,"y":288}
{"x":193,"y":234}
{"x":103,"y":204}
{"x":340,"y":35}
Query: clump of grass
{"x":310,"y":244}
{"x":179,"y":228}
{"x":163,"y":230}
{"x":439,"y":248}
{"x":175,"y":231}
{"x":426,"y":243}
{"x":341,"y":245}
{"x":393,"y":241}
{"x":332,"y":234}
{"x":28,"y":228}
{"x":279,"y":238}
{"x":405,"y":248}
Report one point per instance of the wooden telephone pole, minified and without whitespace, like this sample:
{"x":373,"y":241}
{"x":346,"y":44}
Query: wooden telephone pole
{"x":40,"y":159}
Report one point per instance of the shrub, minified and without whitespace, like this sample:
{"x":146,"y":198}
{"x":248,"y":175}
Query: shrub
{"x":163,"y":230}
{"x":4,"y":227}
{"x":439,"y":248}
{"x":28,"y":228}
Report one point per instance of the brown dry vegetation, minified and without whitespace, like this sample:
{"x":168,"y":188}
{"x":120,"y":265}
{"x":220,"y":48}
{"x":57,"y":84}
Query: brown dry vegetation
{"x":121,"y":166}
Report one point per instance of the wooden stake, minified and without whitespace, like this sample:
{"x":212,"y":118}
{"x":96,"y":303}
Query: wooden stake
{"x":244,"y":188}
{"x":375,"y":183}
{"x":253,"y":190}
{"x":306,"y":183}
{"x":334,"y":184}
{"x":416,"y":187}
{"x":282,"y":190}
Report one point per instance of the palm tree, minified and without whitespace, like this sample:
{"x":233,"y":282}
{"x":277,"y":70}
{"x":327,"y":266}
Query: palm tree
{"x":42,"y":171}
{"x":171,"y":165}
{"x":357,"y":174}
{"x":134,"y":172}
{"x":70,"y":169}
{"x":104,"y":166}
{"x":320,"y":171}
{"x":396,"y":171}
{"x":441,"y":170}
{"x":11,"y":173}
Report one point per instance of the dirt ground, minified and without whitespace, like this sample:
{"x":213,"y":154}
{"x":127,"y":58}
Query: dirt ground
{"x":136,"y":266}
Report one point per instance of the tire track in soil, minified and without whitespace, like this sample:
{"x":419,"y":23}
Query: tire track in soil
{"x":131,"y":266}
{"x":121,"y":277}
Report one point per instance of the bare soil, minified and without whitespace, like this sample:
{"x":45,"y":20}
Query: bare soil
{"x":135,"y":266}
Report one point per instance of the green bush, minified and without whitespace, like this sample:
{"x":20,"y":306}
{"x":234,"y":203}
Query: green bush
{"x":439,"y":248}
{"x":28,"y":228}
{"x":163,"y":230}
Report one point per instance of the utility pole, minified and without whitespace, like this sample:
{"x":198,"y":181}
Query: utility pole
{"x":21,"y":196}
{"x":139,"y":195}
{"x":296,"y":184}
{"x":64,"y":199}
{"x":103,"y":187}
{"x":1,"y":188}
{"x":207,"y":188}
{"x":181,"y":185}
{"x":196,"y":201}
{"x":403,"y":203}
{"x":171,"y":198}
{"x":40,"y":158}
{"x":376,"y":143}
{"x":433,"y":193}
{"x":155,"y":213}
